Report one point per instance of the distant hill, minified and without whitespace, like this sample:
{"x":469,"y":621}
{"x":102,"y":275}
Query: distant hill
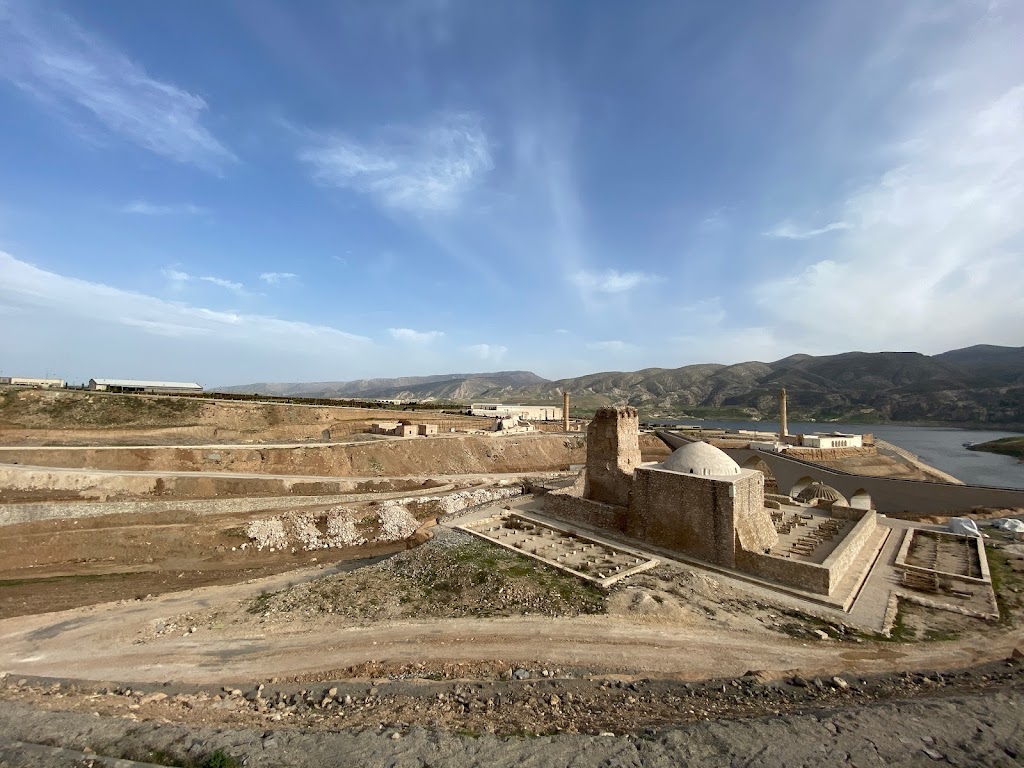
{"x":979,"y":385}
{"x":456,"y":387}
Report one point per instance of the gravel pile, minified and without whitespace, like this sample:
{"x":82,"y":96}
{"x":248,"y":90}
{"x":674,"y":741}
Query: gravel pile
{"x":267,"y":534}
{"x":395,"y":521}
{"x":340,"y":527}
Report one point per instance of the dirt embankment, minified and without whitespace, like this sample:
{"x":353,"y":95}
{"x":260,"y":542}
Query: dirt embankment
{"x":380,"y":458}
{"x":652,"y":448}
{"x":884,"y":466}
{"x":42,"y":417}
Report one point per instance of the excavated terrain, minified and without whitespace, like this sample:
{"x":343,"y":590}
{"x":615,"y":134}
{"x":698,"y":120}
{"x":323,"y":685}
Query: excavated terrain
{"x":353,"y":630}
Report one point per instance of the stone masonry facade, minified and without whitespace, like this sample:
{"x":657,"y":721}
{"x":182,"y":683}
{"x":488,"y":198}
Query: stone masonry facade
{"x":613,"y":452}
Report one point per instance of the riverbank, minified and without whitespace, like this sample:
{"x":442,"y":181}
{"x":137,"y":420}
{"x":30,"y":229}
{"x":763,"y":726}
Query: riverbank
{"x":1006,"y":446}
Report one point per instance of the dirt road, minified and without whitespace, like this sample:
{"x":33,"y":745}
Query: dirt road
{"x":123,"y":640}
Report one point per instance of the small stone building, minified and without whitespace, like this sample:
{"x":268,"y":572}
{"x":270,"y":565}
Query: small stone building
{"x":698,"y":502}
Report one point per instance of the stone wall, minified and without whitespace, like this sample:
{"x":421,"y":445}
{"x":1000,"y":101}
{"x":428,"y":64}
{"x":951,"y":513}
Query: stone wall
{"x":613,"y":452}
{"x":754,"y":528}
{"x":851,"y":547}
{"x":811,"y":577}
{"x":692,"y":514}
{"x":574,"y":509}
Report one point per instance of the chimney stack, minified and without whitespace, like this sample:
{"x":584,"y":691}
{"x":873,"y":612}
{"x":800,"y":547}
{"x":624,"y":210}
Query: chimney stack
{"x":783,"y":422}
{"x":565,"y":411}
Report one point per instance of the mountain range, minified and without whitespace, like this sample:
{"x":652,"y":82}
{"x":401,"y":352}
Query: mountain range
{"x":983,"y":384}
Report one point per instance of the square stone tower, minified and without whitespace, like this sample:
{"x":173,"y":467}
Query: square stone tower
{"x":613,"y":452}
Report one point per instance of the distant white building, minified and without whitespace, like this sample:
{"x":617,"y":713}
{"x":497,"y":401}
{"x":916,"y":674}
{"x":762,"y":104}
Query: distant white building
{"x":526,"y":412}
{"x":23,"y":381}
{"x":133,"y":385}
{"x":831,"y":440}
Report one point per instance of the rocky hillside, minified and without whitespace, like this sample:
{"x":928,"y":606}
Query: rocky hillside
{"x":457,"y":387}
{"x":979,"y":385}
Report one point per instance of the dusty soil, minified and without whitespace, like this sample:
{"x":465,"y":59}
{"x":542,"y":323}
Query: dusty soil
{"x":57,"y":565}
{"x":41,"y":417}
{"x":884,"y":466}
{"x":652,"y":448}
{"x":394,"y":687}
{"x":425,"y":456}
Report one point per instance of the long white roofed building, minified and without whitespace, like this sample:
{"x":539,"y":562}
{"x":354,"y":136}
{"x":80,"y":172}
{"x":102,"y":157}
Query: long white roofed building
{"x":134,"y":385}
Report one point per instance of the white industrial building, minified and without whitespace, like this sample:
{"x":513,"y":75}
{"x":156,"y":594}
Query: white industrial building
{"x":23,"y":381}
{"x":525,"y":412}
{"x":831,"y":440}
{"x":152,"y":387}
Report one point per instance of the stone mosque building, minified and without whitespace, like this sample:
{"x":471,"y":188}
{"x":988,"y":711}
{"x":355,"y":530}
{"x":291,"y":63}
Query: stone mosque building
{"x":701,"y":504}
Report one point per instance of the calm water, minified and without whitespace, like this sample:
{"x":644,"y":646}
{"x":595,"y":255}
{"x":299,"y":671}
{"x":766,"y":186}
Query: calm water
{"x":942,"y":447}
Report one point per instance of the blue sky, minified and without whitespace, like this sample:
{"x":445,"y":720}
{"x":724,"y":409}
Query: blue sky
{"x":248,"y":191}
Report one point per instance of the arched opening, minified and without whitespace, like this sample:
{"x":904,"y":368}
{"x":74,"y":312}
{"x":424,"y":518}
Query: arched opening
{"x":799,"y":485}
{"x":771,"y":485}
{"x":861,"y":499}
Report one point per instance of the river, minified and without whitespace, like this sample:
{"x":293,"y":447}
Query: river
{"x":941,"y":447}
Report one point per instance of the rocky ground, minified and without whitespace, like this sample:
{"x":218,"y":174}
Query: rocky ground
{"x":961,"y":717}
{"x":451,"y":576}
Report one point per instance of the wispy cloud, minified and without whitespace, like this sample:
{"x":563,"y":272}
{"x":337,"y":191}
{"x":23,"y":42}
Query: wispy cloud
{"x":144,"y":208}
{"x":180,"y":277}
{"x":26,"y":285}
{"x":416,"y":169}
{"x":415,"y":337}
{"x":47,"y":54}
{"x":934,"y":255}
{"x":612,"y":281}
{"x":276,"y":278}
{"x":229,"y":285}
{"x":487,"y":352}
{"x":613,"y":345}
{"x":789,"y":231}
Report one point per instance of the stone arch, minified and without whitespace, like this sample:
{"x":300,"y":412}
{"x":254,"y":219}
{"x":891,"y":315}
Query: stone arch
{"x":800,"y":484}
{"x":861,"y":499}
{"x":771,"y":485}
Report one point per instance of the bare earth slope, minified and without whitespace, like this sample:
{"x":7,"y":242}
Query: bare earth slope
{"x":42,"y":417}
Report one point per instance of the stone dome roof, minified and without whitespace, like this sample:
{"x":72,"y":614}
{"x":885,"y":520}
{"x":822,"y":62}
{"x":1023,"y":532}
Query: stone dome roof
{"x":701,"y":459}
{"x":818,"y":492}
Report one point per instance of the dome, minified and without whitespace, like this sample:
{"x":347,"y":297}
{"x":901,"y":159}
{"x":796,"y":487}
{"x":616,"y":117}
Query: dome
{"x":701,"y":459}
{"x":819,"y":492}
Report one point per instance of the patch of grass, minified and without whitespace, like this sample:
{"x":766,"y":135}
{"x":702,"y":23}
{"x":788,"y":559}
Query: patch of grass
{"x":939,"y":635}
{"x":901,"y":632}
{"x":260,"y":603}
{"x":220,"y":759}
{"x":1004,"y":580}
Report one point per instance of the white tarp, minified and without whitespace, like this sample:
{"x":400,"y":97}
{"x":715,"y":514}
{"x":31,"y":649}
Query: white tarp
{"x":964,"y":526}
{"x":1009,"y":524}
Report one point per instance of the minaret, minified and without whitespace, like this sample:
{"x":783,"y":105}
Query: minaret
{"x":565,"y":410}
{"x":783,"y":426}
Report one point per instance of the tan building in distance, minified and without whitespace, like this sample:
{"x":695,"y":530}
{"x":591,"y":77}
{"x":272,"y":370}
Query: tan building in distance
{"x":24,"y":381}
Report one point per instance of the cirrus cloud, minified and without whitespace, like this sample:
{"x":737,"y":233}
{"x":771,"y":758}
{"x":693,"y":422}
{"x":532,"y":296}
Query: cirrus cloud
{"x":415,"y":337}
{"x":420,"y":170}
